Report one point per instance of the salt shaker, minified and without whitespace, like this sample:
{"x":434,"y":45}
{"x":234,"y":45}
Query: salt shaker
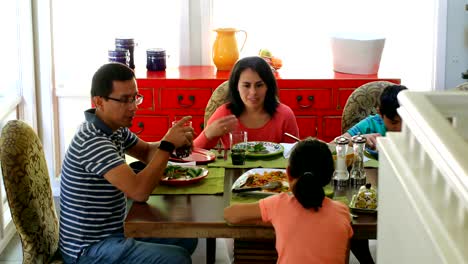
{"x":341,"y":174}
{"x":358,"y":174}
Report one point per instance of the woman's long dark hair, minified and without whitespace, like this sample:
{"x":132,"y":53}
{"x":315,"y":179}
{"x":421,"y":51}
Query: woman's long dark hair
{"x":311,"y":163}
{"x":261,"y":67}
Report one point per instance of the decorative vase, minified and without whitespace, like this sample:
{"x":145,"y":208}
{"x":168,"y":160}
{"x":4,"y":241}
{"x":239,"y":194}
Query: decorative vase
{"x":225,"y":52}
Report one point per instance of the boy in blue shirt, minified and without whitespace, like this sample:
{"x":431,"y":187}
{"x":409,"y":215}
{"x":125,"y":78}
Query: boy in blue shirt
{"x":387,"y":118}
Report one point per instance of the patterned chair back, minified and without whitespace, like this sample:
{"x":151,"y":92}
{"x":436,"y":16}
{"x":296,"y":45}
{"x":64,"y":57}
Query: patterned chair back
{"x":462,"y":87}
{"x":29,"y":193}
{"x":362,"y":102}
{"x":218,"y":98}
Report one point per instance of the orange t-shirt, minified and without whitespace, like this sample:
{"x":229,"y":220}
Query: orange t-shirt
{"x":306,"y":236}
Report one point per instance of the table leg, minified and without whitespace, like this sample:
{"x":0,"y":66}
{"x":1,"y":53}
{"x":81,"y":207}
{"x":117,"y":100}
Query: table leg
{"x":210,"y":250}
{"x":360,"y":249}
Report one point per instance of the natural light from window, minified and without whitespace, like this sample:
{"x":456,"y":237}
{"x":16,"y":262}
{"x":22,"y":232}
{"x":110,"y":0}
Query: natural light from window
{"x":84,"y":31}
{"x":298,"y":31}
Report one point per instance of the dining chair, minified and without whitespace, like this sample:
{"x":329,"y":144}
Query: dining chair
{"x":362,"y":102}
{"x":462,"y":87}
{"x":218,"y":98}
{"x":29,"y":193}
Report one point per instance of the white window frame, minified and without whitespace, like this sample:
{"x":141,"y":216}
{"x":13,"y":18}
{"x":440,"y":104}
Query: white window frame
{"x":21,"y":101}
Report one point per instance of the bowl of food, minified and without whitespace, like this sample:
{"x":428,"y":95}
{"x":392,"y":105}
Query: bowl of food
{"x":365,"y":201}
{"x":349,"y":154}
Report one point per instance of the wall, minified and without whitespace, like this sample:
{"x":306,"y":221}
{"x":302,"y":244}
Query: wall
{"x":456,"y":42}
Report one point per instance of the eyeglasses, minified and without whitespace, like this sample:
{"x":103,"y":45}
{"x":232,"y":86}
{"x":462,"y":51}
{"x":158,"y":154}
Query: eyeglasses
{"x":137,"y":99}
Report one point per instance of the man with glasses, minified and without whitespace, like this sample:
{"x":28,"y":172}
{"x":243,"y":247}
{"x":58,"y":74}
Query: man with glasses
{"x":96,"y":180}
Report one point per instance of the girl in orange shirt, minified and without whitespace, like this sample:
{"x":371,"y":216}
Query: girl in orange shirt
{"x":309,"y":227}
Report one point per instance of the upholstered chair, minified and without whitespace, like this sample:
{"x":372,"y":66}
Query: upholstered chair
{"x":462,"y":87}
{"x":29,"y":193}
{"x":218,"y":98}
{"x":362,"y":102}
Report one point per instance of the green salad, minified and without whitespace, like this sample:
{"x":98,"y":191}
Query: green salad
{"x":183,"y":173}
{"x":259,"y":147}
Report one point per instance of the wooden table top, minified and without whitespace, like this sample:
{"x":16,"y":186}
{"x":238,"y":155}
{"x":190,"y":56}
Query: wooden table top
{"x":202,"y":215}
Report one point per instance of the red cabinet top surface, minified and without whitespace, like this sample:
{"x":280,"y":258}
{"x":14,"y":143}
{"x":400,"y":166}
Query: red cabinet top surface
{"x":210,"y":73}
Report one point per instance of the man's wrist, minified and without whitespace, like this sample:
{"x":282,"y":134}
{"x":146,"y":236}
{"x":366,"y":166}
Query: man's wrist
{"x":166,"y":146}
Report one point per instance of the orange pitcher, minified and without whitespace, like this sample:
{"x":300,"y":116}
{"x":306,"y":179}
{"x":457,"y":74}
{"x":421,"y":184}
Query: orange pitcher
{"x":225,"y":52}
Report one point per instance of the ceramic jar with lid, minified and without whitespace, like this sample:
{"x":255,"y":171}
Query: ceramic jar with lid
{"x":366,"y":197}
{"x":129,"y":44}
{"x":119,"y":55}
{"x":156,"y":59}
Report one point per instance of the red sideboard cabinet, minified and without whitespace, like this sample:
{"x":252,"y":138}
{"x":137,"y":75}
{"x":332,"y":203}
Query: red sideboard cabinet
{"x":316,"y":99}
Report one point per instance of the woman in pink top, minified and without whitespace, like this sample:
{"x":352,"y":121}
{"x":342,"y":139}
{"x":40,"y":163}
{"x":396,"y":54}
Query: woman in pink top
{"x":253,"y":107}
{"x":309,"y":227}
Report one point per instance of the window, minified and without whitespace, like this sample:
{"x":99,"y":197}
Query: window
{"x":298,"y":32}
{"x":83,"y":32}
{"x":17,"y":99}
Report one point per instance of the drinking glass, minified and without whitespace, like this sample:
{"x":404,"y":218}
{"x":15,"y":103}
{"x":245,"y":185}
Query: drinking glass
{"x":186,"y":150}
{"x":238,"y":150}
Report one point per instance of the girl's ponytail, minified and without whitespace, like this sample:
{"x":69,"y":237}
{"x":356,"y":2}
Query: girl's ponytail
{"x":311,"y":164}
{"x":309,"y":191}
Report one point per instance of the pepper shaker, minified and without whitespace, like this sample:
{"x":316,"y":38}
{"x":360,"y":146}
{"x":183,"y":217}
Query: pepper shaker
{"x":358,"y":174}
{"x":341,"y":174}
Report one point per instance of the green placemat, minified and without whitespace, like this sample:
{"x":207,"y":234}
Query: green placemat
{"x":372,"y":163}
{"x":277,"y":162}
{"x":251,"y":198}
{"x":212,"y":184}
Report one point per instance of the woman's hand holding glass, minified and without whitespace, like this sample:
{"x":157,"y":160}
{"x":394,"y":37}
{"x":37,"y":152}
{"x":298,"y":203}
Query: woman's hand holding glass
{"x":221,"y":126}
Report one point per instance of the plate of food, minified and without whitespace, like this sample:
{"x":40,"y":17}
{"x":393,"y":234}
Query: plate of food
{"x":372,"y":153}
{"x":261,"y":177}
{"x":258,"y":181}
{"x":260,"y":149}
{"x":199,"y":155}
{"x":177,"y":175}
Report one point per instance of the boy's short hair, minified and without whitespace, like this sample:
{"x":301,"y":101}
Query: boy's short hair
{"x":389,"y":102}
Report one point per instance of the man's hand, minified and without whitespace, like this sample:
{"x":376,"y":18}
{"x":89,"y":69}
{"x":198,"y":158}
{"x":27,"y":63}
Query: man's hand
{"x":180,"y":135}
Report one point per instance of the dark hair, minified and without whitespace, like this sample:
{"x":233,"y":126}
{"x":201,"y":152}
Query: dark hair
{"x":261,"y":67}
{"x":104,"y":77}
{"x":311,"y":163}
{"x":389,"y":102}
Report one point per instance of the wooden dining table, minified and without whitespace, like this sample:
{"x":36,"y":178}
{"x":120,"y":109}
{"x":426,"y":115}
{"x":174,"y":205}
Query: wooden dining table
{"x":201,"y":216}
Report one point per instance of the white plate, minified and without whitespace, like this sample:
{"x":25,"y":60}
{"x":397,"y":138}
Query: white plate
{"x":186,"y":180}
{"x":271,"y":149}
{"x":241,"y":180}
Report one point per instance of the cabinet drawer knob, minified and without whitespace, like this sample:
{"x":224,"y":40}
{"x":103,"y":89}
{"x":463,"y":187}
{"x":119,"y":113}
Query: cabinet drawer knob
{"x":191,"y":98}
{"x":299,"y":99}
{"x":141,"y":125}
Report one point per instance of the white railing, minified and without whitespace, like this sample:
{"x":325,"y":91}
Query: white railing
{"x":423,"y":181}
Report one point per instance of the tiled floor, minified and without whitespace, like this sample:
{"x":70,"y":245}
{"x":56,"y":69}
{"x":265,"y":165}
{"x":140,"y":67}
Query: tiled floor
{"x":12,"y":253}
